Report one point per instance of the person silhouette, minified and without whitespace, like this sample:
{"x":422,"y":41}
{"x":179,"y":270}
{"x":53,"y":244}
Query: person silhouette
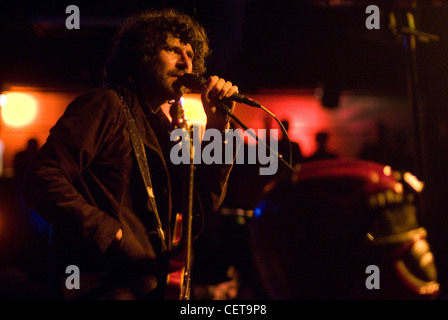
{"x":389,"y":147}
{"x":23,"y":158}
{"x":378,"y":149}
{"x":321,"y":151}
{"x":21,"y":163}
{"x":283,"y":147}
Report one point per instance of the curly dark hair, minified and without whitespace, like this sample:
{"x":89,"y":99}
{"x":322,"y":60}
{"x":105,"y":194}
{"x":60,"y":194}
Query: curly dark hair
{"x":144,"y":34}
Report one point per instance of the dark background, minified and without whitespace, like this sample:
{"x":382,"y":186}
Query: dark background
{"x":255,"y":43}
{"x":261,"y":44}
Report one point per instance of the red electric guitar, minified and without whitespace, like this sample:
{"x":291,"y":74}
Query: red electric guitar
{"x":179,"y":270}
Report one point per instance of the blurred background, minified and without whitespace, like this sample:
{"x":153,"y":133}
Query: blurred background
{"x":351,"y":91}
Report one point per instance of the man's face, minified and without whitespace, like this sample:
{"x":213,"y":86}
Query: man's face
{"x":172,"y":61}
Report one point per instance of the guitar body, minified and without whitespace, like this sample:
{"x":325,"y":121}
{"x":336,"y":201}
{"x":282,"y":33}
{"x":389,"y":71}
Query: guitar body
{"x":179,"y":268}
{"x":175,"y":288}
{"x":175,"y":281}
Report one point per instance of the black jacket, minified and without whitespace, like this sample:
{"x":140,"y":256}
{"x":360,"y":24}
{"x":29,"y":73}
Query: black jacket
{"x":86,"y":183}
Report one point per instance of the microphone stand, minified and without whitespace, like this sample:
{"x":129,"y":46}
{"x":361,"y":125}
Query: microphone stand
{"x":179,"y":121}
{"x":179,"y":279}
{"x":410,"y":36}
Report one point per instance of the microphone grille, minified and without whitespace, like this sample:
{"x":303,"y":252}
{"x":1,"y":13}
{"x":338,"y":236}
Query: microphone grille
{"x":192,"y":81}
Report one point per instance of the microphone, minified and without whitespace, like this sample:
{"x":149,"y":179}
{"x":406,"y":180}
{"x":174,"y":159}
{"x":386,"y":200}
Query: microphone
{"x":196,"y":82}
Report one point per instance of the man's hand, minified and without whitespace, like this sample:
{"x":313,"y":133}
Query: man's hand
{"x":212,"y":94}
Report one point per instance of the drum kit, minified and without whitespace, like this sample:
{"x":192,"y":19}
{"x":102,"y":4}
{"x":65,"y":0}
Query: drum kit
{"x":317,"y":232}
{"x":349,"y":228}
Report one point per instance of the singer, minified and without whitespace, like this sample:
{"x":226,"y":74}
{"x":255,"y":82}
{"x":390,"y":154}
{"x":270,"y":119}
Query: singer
{"x":85,"y":180}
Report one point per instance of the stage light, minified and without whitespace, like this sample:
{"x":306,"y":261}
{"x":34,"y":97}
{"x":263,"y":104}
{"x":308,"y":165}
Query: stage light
{"x":194,"y":112}
{"x":387,"y":170}
{"x":413,"y":181}
{"x":2,"y":100}
{"x":18,"y":109}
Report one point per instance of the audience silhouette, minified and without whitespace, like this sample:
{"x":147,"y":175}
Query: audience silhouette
{"x":321,"y":151}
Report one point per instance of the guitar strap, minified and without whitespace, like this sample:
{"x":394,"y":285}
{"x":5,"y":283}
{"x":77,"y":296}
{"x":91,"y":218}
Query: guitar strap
{"x":139,"y":149}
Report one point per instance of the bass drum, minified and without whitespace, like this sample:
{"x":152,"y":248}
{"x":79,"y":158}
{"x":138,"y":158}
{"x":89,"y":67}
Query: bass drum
{"x":343,"y":229}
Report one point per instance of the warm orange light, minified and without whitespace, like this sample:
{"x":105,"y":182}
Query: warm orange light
{"x":2,"y":100}
{"x":194,"y":111}
{"x":398,"y":188}
{"x":18,"y":109}
{"x":413,"y":181}
{"x":387,"y":170}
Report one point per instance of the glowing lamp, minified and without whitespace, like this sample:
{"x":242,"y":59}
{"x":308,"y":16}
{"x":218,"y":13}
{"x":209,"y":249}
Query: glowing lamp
{"x":18,"y":109}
